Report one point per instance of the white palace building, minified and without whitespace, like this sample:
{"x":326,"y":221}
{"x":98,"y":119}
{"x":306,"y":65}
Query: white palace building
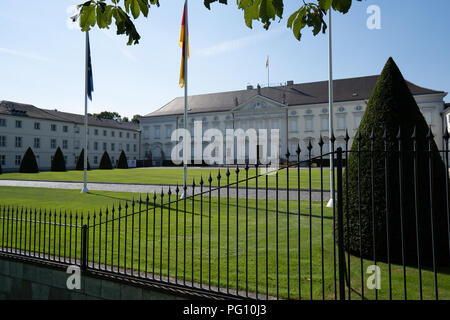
{"x":299,"y":111}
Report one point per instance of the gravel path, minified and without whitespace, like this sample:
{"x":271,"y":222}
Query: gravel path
{"x":150,"y":188}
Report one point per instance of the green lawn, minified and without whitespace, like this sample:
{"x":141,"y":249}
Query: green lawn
{"x":160,"y":231}
{"x":175,"y":175}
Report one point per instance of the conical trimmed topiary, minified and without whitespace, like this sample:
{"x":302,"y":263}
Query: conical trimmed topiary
{"x":122,"y":163}
{"x":28,"y":163}
{"x":391,"y":107}
{"x":58,"y":163}
{"x":105,"y":162}
{"x":80,"y":162}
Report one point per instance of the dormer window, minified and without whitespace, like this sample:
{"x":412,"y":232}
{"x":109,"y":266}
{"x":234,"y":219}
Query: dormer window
{"x":341,"y":109}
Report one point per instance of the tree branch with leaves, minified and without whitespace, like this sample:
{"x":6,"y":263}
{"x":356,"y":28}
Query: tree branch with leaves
{"x":310,"y":14}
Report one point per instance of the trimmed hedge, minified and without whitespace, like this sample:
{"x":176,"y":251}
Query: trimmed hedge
{"x":58,"y":163}
{"x":105,"y":162}
{"x":80,"y":162}
{"x":122,"y":163}
{"x":28,"y":163}
{"x":391,"y":107}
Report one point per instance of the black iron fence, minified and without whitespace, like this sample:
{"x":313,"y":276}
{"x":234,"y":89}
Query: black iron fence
{"x":250,"y":232}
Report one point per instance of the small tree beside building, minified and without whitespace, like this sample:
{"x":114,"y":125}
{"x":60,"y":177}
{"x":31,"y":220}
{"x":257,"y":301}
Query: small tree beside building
{"x":122,"y":163}
{"x":28,"y":163}
{"x":58,"y":162}
{"x":105,"y":162}
{"x":80,"y":162}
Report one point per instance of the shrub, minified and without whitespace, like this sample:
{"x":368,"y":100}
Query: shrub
{"x":28,"y":163}
{"x":105,"y":162}
{"x":58,"y":163}
{"x":122,"y":163}
{"x":80,"y":162}
{"x":391,"y":107}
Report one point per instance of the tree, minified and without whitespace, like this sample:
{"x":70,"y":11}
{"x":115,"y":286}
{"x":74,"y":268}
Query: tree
{"x":391,"y":107}
{"x":105,"y":162}
{"x":28,"y":163}
{"x":122,"y":163}
{"x":58,"y":163}
{"x":108,"y":115}
{"x":80,"y":162}
{"x":310,"y":14}
{"x":125,"y":119}
{"x":135,"y":118}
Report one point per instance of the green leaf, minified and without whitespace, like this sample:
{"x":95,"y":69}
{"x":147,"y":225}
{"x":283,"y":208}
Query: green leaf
{"x":135,"y":9}
{"x":325,"y":4}
{"x":143,"y":4}
{"x":87,"y":17}
{"x":342,"y":5}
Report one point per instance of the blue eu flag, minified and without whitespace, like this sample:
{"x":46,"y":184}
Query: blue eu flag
{"x":90,"y":80}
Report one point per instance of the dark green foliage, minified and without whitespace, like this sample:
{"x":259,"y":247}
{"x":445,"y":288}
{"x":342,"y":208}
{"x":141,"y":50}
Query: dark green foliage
{"x":0,"y":168}
{"x":58,"y":163}
{"x":122,"y":163}
{"x":105,"y":162}
{"x":28,"y":163}
{"x":80,"y":162}
{"x":391,"y":107}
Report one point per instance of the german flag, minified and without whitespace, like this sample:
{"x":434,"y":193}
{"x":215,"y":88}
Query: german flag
{"x":184,"y":34}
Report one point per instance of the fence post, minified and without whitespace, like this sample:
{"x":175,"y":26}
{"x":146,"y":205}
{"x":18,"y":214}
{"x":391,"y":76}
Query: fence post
{"x":84,"y":247}
{"x":340,"y":226}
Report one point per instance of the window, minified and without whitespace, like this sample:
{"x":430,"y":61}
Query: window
{"x":37,"y":126}
{"x":128,"y":148}
{"x":104,"y":146}
{"x":3,"y":160}
{"x":340,"y":122}
{"x":95,"y":159}
{"x":113,"y":146}
{"x":18,"y":160}
{"x":146,"y":132}
{"x":157,"y":132}
{"x":120,"y":134}
{"x":76,"y":144}
{"x":168,"y":131}
{"x":113,"y":133}
{"x":65,"y":128}
{"x":37,"y":143}
{"x":292,"y":125}
{"x":2,"y":141}
{"x":96,"y":132}
{"x":2,"y":122}
{"x":357,"y":118}
{"x":308,"y":124}
{"x":18,"y":124}
{"x":65,"y":144}
{"x":134,"y":136}
{"x":134,"y":148}
{"x":96,"y":145}
{"x":324,"y":123}
{"x":128,"y":135}
{"x":341,"y":109}
{"x":53,"y":127}
{"x":105,"y":133}
{"x":18,"y":142}
{"x":77,"y":129}
{"x":120,"y":147}
{"x":53,"y":143}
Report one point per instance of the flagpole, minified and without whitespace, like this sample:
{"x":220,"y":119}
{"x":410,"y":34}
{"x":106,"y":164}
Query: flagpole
{"x":85,"y":189}
{"x":330,"y":109}
{"x":185,"y":66}
{"x":268,"y":72}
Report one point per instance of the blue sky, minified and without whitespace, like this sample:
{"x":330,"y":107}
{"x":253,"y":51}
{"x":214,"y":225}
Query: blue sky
{"x":42,"y":59}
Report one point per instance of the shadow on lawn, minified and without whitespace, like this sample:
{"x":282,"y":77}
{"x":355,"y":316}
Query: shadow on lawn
{"x":205,"y":203}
